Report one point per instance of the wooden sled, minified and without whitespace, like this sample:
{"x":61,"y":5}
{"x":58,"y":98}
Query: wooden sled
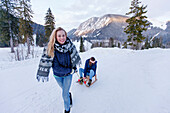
{"x":87,"y":79}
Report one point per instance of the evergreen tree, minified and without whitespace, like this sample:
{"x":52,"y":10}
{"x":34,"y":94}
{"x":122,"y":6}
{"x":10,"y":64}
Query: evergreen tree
{"x":25,"y":29}
{"x":147,"y":44}
{"x":125,"y":45}
{"x":111,"y":42}
{"x":49,"y":24}
{"x":101,"y":44}
{"x":8,"y":22}
{"x":136,"y":24}
{"x":4,"y":29}
{"x":160,"y":42}
{"x":37,"y":39}
{"x":81,"y":45}
{"x":118,"y":45}
{"x":157,"y":42}
{"x":40,"y":39}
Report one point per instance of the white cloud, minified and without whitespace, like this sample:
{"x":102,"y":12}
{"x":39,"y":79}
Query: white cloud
{"x":69,"y":14}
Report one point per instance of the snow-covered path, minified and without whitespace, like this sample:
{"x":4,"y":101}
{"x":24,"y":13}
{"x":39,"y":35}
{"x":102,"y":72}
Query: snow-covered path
{"x":128,"y":82}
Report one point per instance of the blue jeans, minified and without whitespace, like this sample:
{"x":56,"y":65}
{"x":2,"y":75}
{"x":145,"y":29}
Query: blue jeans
{"x":65,"y":83}
{"x":91,"y":74}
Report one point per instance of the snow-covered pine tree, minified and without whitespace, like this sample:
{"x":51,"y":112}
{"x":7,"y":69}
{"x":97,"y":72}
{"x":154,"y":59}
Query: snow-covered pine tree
{"x":136,"y":25}
{"x":8,"y":22}
{"x":25,"y":28}
{"x":49,"y":24}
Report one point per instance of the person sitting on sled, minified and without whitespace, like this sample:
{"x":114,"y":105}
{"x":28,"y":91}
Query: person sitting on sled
{"x":89,"y":70}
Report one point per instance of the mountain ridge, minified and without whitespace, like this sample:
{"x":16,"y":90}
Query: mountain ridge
{"x":112,"y":25}
{"x":94,"y":23}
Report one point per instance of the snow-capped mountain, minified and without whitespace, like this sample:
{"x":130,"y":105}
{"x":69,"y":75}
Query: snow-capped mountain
{"x":166,"y":33}
{"x":168,"y":26}
{"x":156,"y":23}
{"x":112,"y":25}
{"x":109,"y":25}
{"x":96,"y":23}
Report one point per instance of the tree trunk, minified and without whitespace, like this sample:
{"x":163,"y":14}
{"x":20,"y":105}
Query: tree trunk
{"x":11,"y":40}
{"x":12,"y":45}
{"x":137,"y":45}
{"x":28,"y":44}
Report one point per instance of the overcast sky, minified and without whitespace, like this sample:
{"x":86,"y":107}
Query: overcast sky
{"x":70,"y":13}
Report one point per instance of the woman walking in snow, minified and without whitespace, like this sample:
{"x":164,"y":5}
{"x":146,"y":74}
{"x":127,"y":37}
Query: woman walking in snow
{"x":62,"y":56}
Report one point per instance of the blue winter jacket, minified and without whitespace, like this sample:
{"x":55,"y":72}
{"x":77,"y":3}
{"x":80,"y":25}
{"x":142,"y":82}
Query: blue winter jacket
{"x":61,"y":64}
{"x":87,"y":67}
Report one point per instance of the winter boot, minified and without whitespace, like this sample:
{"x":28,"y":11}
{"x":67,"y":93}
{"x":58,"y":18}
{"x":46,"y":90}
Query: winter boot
{"x":70,"y":99}
{"x":67,"y":111}
{"x":81,"y":80}
{"x":89,"y":83}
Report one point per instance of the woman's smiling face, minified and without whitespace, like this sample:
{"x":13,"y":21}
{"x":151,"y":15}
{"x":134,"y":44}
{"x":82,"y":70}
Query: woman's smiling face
{"x":61,"y":37}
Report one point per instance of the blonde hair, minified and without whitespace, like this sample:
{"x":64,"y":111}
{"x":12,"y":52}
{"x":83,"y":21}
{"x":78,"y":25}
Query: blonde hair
{"x":50,"y":49}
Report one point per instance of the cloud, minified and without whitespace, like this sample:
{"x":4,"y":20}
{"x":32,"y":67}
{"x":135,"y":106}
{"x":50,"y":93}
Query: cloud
{"x":81,"y":10}
{"x":157,"y":9}
{"x":70,"y":14}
